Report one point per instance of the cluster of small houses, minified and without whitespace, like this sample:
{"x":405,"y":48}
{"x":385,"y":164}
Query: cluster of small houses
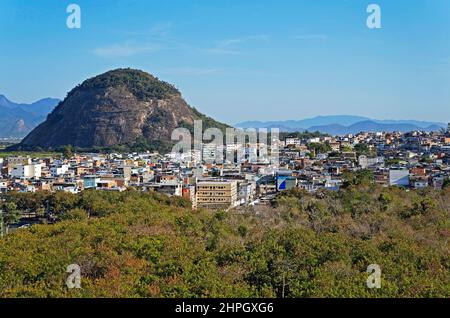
{"x":411,"y":160}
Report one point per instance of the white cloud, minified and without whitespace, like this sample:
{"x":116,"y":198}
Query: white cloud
{"x":125,"y":50}
{"x":189,"y":71}
{"x":161,"y":29}
{"x":231,"y":46}
{"x":319,"y":37}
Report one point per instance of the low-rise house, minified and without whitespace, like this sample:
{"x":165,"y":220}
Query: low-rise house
{"x":167,"y":188}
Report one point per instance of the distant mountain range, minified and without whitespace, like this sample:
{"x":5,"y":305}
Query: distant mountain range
{"x":343,"y":124}
{"x":17,"y":120}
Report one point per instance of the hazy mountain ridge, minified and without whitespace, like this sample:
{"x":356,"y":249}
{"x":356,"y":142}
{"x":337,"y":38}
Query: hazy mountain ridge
{"x":344,"y":124}
{"x":17,"y":120}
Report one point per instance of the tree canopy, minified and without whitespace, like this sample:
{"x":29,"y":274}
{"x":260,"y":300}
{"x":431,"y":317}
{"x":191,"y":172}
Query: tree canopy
{"x":135,"y":244}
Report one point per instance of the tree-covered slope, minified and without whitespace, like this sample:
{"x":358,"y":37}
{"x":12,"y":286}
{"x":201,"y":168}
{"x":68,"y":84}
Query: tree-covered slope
{"x":146,"y":245}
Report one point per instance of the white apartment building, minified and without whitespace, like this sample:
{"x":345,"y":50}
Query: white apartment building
{"x":59,"y":170}
{"x":27,"y":171}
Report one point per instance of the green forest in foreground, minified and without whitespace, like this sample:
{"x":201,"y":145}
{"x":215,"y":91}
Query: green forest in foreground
{"x":134,"y":244}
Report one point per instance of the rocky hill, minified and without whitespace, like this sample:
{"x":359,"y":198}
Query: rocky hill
{"x":123,"y":107}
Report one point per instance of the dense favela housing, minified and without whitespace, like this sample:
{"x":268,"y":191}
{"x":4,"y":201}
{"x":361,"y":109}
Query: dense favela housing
{"x":411,"y":160}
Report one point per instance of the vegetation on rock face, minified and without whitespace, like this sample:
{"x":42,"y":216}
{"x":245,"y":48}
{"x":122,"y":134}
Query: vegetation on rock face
{"x":141,"y":84}
{"x":135,"y":244}
{"x":209,"y":122}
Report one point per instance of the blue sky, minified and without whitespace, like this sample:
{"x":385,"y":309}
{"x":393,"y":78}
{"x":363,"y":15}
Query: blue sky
{"x":241,"y":60}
